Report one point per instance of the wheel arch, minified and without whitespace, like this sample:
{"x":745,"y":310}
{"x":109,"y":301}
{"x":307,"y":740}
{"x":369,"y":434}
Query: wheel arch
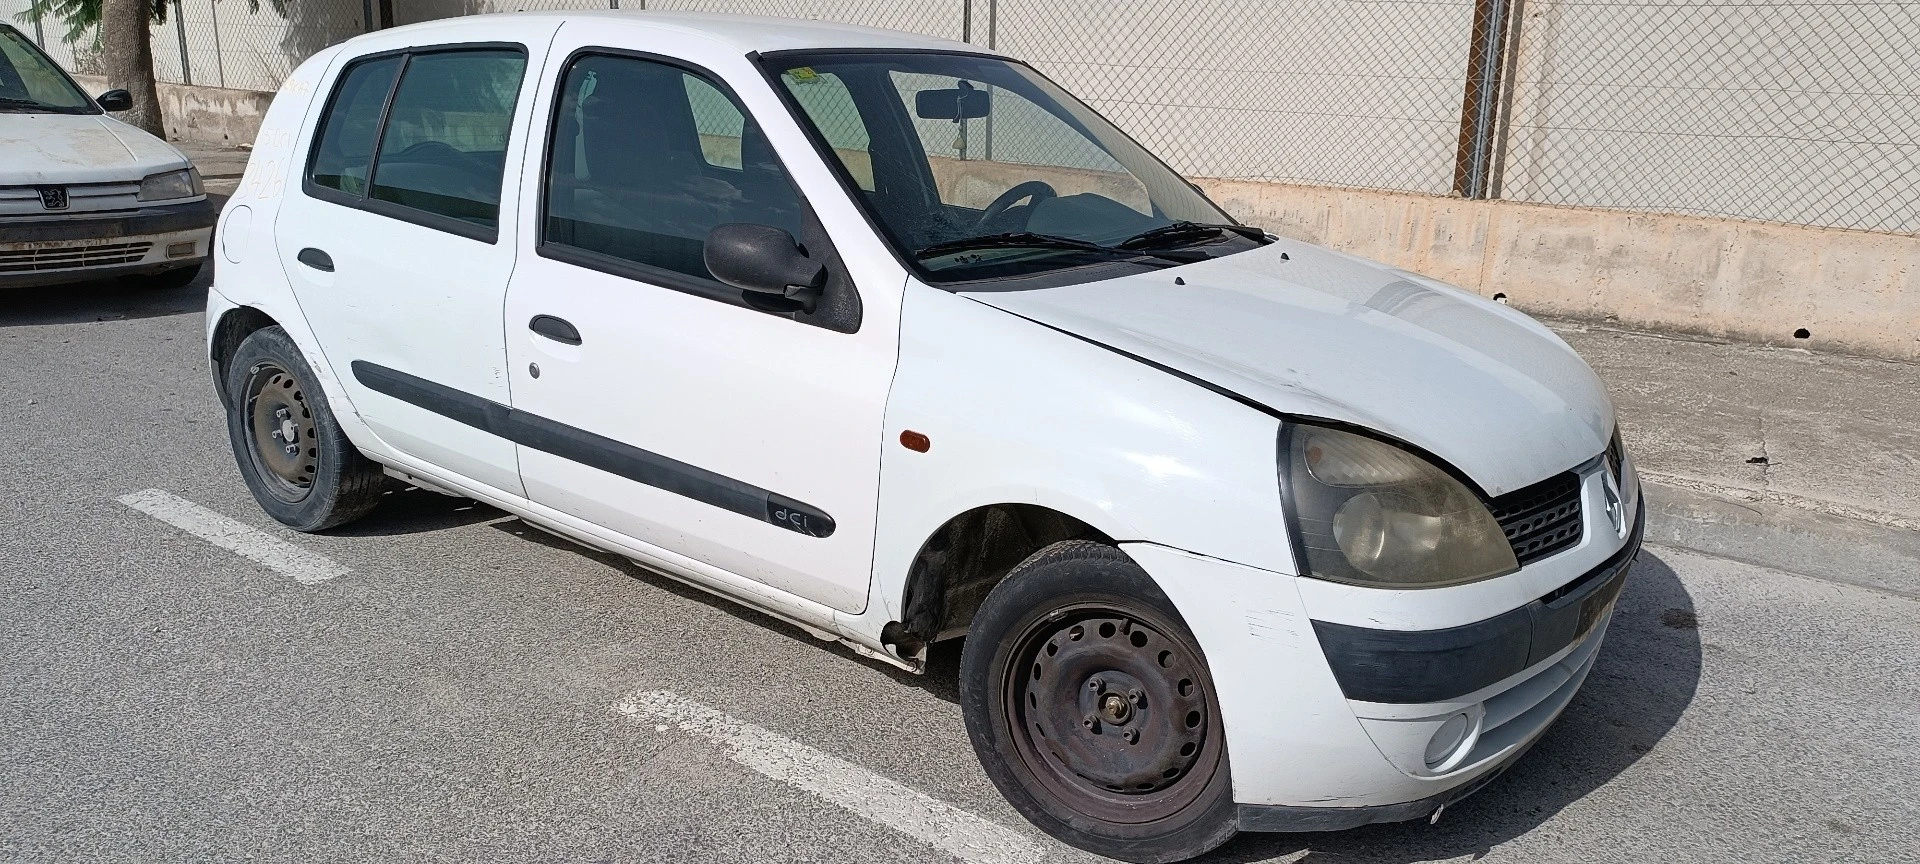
{"x":959,"y":562}
{"x":234,"y":326}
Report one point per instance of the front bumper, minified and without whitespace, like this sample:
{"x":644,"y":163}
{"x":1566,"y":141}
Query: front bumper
{"x":84,"y":246}
{"x":1310,"y":747}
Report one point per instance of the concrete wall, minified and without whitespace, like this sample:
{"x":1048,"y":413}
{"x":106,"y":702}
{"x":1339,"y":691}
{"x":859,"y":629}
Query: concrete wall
{"x":211,"y":115}
{"x":1853,"y":291}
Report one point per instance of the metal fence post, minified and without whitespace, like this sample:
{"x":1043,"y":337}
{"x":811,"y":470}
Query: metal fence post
{"x":180,"y":32}
{"x":39,"y":35}
{"x":1480,"y":108}
{"x":219,"y":54}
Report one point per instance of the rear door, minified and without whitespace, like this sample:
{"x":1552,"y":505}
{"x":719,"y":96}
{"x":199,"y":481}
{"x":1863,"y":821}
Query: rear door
{"x":397,"y":248}
{"x":740,"y":432}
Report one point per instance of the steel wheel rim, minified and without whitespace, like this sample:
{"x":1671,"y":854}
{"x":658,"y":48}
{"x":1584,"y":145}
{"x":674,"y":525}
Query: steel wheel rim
{"x":280,"y":434}
{"x":1110,"y":714}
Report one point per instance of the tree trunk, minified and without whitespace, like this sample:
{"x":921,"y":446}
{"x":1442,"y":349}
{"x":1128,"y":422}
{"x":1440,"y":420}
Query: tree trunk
{"x":128,"y":48}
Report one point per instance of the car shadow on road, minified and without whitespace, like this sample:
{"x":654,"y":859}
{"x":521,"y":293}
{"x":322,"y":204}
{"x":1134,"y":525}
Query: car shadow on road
{"x":639,"y":572}
{"x":407,"y":510}
{"x":101,"y":300}
{"x":1643,"y":682}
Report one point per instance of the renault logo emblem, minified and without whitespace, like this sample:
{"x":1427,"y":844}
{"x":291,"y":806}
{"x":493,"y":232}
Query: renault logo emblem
{"x":53,"y":197}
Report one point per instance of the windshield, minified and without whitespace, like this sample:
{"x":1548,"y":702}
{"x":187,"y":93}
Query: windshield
{"x":980,"y":168}
{"x":30,"y":82}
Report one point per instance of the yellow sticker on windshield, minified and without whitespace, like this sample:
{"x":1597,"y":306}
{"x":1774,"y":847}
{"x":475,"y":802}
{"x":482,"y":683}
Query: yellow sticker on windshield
{"x":802,"y":73}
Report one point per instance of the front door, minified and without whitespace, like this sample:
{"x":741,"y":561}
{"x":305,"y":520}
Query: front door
{"x":729,"y":428}
{"x":398,"y":252}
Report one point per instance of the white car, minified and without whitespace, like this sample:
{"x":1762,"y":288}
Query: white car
{"x":894,"y":339}
{"x":84,"y":196}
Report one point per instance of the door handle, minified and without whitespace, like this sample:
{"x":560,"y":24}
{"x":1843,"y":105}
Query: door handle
{"x":316,"y":259}
{"x":555,"y":328}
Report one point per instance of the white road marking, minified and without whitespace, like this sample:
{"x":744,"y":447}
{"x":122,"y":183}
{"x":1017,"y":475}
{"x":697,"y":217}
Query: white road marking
{"x":251,"y":543}
{"x":902,"y":808}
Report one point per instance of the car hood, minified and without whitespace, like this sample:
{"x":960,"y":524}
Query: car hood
{"x":1309,"y":332}
{"x":64,"y":149}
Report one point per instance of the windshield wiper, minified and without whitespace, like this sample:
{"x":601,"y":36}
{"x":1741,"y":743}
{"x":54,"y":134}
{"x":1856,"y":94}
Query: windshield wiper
{"x":1024,"y":240}
{"x":10,"y":102}
{"x":1182,"y":231}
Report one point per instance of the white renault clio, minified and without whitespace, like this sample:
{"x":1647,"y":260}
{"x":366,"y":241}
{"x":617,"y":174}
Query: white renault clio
{"x":898,"y":341}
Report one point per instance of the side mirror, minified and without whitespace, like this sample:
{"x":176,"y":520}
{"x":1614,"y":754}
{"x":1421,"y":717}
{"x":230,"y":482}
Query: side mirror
{"x":765,"y":260}
{"x":959,"y":103}
{"x":116,"y":100}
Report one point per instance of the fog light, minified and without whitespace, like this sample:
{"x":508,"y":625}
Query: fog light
{"x":1447,"y":740}
{"x":179,"y":250}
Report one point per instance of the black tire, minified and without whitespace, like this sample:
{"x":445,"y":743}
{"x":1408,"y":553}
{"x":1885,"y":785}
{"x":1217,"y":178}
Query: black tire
{"x":1117,"y":778}
{"x":169,"y":280}
{"x":296,"y":461}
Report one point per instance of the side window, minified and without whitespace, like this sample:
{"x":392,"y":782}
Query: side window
{"x":831,"y":108}
{"x":343,"y":151}
{"x":646,"y":158}
{"x":445,"y":143}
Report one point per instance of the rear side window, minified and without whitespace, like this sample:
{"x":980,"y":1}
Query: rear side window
{"x":446,"y":138}
{"x":421,"y":137}
{"x":646,"y":158}
{"x":343,"y":152}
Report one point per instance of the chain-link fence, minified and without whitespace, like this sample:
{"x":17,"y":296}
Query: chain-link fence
{"x":1801,"y":111}
{"x":79,"y":54}
{"x":1795,"y":111}
{"x":242,"y":44}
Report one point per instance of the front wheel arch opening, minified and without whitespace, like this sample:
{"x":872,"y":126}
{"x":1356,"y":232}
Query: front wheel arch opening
{"x":962,"y":561}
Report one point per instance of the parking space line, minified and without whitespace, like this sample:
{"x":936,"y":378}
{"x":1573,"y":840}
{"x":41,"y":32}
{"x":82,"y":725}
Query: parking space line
{"x":306,"y":568}
{"x":902,"y":808}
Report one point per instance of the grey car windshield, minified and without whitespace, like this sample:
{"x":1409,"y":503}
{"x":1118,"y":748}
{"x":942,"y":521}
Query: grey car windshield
{"x":980,"y":168}
{"x":30,"y":82}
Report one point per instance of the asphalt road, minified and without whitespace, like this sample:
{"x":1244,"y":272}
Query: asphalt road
{"x":463,"y":687}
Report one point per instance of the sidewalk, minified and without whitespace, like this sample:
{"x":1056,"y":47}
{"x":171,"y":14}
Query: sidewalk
{"x":220,"y":167}
{"x":1825,"y":432}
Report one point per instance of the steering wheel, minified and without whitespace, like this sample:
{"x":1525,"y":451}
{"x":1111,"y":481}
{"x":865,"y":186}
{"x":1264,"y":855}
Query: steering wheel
{"x":1038,"y":190}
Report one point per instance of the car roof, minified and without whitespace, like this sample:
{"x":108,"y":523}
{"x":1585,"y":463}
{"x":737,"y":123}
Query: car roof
{"x":748,"y":33}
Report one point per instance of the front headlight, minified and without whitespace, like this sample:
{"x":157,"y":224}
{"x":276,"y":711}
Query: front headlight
{"x":1370,"y":513}
{"x":184,"y":183}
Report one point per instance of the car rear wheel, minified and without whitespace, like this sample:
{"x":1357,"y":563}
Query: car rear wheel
{"x":296,"y":461}
{"x":1090,"y":706}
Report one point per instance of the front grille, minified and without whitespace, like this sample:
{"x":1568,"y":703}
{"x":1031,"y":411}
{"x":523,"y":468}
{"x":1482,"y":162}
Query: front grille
{"x":1542,"y":519}
{"x":70,"y":257}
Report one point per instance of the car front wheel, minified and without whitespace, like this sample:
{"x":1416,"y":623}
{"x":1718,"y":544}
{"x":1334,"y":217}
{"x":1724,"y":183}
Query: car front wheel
{"x":296,"y":460}
{"x":1090,"y":706}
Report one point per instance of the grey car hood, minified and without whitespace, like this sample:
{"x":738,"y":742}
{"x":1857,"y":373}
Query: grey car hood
{"x":1311,"y":332}
{"x":65,"y":149}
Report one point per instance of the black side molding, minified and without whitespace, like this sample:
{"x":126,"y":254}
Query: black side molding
{"x":1420,"y":666}
{"x":597,"y":451}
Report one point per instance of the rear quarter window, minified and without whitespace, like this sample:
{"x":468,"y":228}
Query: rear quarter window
{"x":343,"y":149}
{"x":421,"y":136}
